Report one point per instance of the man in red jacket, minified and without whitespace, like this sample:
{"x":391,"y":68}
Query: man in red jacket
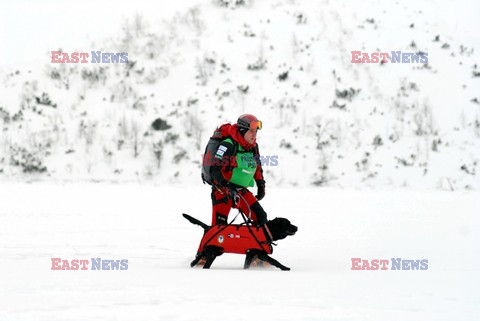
{"x":239,"y":168}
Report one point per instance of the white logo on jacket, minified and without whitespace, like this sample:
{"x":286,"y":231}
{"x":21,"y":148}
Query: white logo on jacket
{"x":220,"y":151}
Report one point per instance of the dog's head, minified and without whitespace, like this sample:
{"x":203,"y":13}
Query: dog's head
{"x":281,"y":228}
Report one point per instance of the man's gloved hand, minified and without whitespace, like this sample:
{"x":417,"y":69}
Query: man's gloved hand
{"x":260,"y":189}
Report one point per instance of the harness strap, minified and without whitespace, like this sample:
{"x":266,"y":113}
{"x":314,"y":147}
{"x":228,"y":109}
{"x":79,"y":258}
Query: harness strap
{"x":249,"y":210}
{"x":250,"y":229}
{"x":269,"y":234}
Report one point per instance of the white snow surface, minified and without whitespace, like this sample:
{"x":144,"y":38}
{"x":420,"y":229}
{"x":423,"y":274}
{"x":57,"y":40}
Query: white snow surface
{"x":143,"y":223}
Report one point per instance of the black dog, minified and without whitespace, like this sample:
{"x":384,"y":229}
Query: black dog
{"x":253,"y":241}
{"x":281,"y":228}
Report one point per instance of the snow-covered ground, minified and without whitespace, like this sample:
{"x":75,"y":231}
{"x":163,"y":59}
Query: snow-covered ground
{"x":143,"y":223}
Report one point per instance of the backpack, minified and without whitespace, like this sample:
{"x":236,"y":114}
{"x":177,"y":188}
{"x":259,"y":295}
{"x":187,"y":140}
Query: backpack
{"x":219,"y":135}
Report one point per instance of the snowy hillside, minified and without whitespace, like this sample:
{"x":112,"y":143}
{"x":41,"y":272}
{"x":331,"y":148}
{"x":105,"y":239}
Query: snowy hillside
{"x":199,"y":64}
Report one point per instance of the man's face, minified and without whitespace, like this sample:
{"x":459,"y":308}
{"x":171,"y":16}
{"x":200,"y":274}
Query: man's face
{"x":250,"y":136}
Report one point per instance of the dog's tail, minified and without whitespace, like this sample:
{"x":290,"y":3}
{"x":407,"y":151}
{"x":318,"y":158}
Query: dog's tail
{"x":195,"y":221}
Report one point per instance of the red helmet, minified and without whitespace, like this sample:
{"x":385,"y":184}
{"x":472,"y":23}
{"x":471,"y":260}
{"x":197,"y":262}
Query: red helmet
{"x":248,"y":121}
